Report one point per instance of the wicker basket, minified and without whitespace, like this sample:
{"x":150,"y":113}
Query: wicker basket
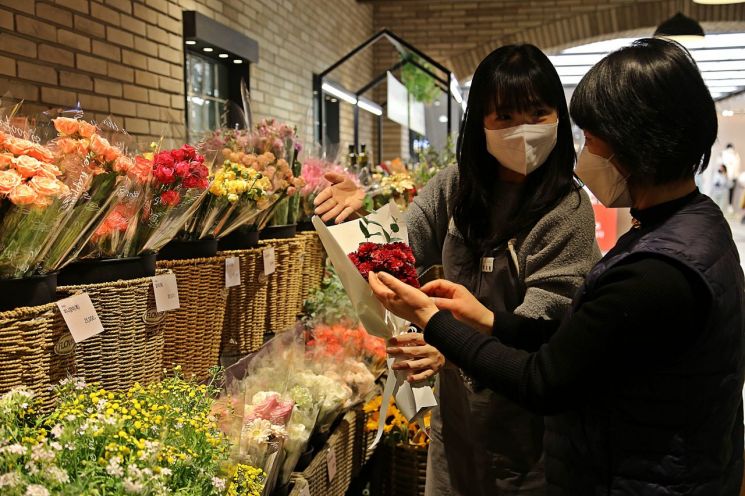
{"x":23,"y":335}
{"x":284,"y":299}
{"x":316,"y":475}
{"x":400,"y":471}
{"x":314,"y":262}
{"x":245,"y":313}
{"x":131,"y":347}
{"x":194,"y":331}
{"x":363,"y":440}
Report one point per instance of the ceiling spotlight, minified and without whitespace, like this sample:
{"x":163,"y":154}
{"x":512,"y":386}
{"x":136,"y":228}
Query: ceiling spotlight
{"x":208,"y":49}
{"x":437,"y":103}
{"x":334,"y":100}
{"x":190,"y":42}
{"x":223,"y":55}
{"x":237,"y":61}
{"x":443,"y":118}
{"x":727,"y":113}
{"x":682,"y":29}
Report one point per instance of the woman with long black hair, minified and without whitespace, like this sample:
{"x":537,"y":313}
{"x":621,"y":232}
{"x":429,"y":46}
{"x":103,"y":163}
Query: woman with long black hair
{"x":643,"y":378}
{"x":511,"y":224}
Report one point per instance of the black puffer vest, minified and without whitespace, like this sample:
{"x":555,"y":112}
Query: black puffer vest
{"x":676,"y":430}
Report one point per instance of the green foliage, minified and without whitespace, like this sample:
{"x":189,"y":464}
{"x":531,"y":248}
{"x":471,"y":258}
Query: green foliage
{"x":421,"y":86}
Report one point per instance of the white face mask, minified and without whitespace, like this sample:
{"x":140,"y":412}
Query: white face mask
{"x":603,"y":179}
{"x":522,"y":148}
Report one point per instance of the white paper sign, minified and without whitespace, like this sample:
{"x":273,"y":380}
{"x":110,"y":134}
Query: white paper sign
{"x":166,"y":292}
{"x":80,"y":316}
{"x":487,"y":264}
{"x":331,"y":463}
{"x":232,"y":272}
{"x":270,"y":265}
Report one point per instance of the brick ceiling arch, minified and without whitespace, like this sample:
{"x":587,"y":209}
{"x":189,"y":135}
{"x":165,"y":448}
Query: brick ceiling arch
{"x":597,"y":25}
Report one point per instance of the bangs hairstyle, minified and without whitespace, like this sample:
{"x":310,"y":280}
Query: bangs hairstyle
{"x":513,"y":78}
{"x":649,"y":102}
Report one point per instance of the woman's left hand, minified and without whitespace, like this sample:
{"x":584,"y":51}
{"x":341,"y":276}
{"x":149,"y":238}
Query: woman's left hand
{"x":403,"y":300}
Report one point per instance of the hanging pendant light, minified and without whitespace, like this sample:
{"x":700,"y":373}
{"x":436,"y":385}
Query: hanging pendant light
{"x":682,"y":29}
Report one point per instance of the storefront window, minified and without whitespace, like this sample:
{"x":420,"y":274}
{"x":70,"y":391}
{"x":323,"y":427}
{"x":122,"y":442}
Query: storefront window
{"x":207,"y":94}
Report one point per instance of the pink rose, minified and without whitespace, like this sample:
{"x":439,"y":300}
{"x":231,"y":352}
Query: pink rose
{"x":182,"y":168}
{"x":9,"y":180}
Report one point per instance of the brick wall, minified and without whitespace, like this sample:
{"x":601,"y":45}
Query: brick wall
{"x":125,"y":57}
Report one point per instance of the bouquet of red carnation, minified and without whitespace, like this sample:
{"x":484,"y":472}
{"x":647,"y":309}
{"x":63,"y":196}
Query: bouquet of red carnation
{"x":397,"y":259}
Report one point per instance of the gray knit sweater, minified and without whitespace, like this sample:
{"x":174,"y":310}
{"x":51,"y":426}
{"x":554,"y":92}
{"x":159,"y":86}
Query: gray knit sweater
{"x":553,"y":256}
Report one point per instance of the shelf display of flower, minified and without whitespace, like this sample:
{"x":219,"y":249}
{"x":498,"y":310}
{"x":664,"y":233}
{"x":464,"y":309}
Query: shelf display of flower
{"x":155,"y":439}
{"x":397,"y":430}
{"x":33,"y":202}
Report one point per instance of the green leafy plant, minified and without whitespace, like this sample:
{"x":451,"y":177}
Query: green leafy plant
{"x":421,"y":85}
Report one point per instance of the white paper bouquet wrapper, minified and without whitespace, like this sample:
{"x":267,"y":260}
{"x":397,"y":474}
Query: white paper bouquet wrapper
{"x":341,"y":240}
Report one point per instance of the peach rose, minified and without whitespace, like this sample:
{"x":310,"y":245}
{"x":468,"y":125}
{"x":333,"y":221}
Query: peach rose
{"x":123,"y":164}
{"x":99,"y":146}
{"x":27,"y":166}
{"x":5,"y":160}
{"x":2,"y":137}
{"x":112,"y":153}
{"x":18,"y":146}
{"x":41,"y":153}
{"x":9,"y":180}
{"x":66,"y":126}
{"x":45,"y":186}
{"x":86,"y":129}
{"x":67,"y":145}
{"x":23,"y":194}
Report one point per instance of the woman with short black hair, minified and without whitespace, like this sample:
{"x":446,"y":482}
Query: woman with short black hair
{"x":643,"y":379}
{"x":512,"y":224}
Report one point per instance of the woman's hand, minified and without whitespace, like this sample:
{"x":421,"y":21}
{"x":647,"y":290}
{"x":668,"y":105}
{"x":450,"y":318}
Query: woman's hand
{"x":403,"y":300}
{"x":421,"y":359}
{"x":339,"y":200}
{"x":461,"y":303}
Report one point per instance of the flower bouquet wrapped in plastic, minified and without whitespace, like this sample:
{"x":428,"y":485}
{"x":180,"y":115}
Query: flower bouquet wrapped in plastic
{"x":33,"y":202}
{"x":94,"y":171}
{"x":377,"y":242}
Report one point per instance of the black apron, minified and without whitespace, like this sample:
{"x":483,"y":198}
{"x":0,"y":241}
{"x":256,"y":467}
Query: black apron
{"x":482,"y":443}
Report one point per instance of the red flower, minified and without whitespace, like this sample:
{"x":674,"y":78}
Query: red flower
{"x":396,"y":259}
{"x":165,"y":159}
{"x":195,"y":182}
{"x":170,"y":198}
{"x":182,"y":168}
{"x":179,"y":155}
{"x":164,"y":174}
{"x":190,"y":153}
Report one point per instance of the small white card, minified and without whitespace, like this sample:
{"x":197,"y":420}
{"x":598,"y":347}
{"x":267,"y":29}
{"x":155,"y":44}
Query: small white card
{"x":487,"y":264}
{"x":331,"y":463}
{"x":166,"y":292}
{"x":232,"y":272}
{"x":80,"y":316}
{"x":270,"y":264}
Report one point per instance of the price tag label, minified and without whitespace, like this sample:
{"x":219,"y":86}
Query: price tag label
{"x":487,"y":264}
{"x":80,"y":316}
{"x":270,"y":264}
{"x":331,"y":463}
{"x":166,"y":292}
{"x":232,"y":272}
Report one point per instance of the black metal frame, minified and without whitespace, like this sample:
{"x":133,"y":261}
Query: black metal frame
{"x":404,"y":48}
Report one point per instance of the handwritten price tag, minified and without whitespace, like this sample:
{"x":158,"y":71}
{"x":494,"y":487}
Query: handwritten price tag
{"x":270,"y":264}
{"x":80,"y":316}
{"x":166,"y":292}
{"x":232,"y":272}
{"x":331,"y":463}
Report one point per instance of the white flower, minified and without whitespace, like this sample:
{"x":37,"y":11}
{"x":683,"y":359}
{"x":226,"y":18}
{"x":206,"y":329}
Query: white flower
{"x":114,"y":468}
{"x":57,"y":431}
{"x":40,"y":453}
{"x":55,"y":446}
{"x":14,"y":449}
{"x":36,"y":490}
{"x":166,"y":471}
{"x":218,"y":483}
{"x":57,"y":475}
{"x":133,"y":487}
{"x":32,"y":468}
{"x":70,"y":418}
{"x":11,"y":479}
